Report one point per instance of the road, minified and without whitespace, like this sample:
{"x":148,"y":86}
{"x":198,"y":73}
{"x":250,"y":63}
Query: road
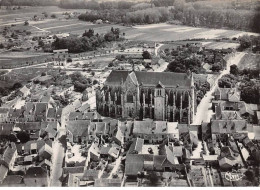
{"x":58,"y":155}
{"x":204,"y":112}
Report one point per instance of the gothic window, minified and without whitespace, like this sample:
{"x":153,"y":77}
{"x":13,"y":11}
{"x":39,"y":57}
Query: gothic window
{"x":129,"y":98}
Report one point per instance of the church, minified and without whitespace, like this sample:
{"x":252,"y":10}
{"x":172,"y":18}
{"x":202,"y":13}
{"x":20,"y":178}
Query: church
{"x":162,"y":96}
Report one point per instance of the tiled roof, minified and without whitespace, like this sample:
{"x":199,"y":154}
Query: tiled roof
{"x":29,"y":126}
{"x":228,"y":126}
{"x":104,"y":182}
{"x":116,"y":77}
{"x":24,"y":90}
{"x":136,"y":146}
{"x":79,"y":127}
{"x":67,"y":170}
{"x":9,"y":153}
{"x":51,"y":113}
{"x":13,"y":179}
{"x":6,"y":128}
{"x":36,"y":172}
{"x":134,"y":163}
{"x":168,"y":79}
{"x":41,"y":108}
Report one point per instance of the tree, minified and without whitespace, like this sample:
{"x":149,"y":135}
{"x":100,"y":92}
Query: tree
{"x":53,"y":16}
{"x":234,"y":70}
{"x":79,"y":87}
{"x":146,"y":55}
{"x":17,"y":85}
{"x":227,"y":81}
{"x":26,"y":23}
{"x":12,"y":138}
{"x":40,"y":43}
{"x":23,"y":136}
{"x":216,"y":67}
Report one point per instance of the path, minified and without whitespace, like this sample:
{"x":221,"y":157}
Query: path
{"x":204,"y":111}
{"x":39,"y":28}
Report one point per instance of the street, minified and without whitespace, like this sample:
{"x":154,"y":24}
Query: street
{"x":204,"y":112}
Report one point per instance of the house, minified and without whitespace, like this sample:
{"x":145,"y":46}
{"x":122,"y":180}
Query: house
{"x":91,"y":175}
{"x":94,"y":152}
{"x":228,"y":126}
{"x":45,"y":164}
{"x":49,"y":129}
{"x":99,"y":21}
{"x":111,"y":152}
{"x":61,"y":53}
{"x":3,"y":114}
{"x":41,"y":111}
{"x":24,"y":92}
{"x":32,"y":147}
{"x":9,"y":155}
{"x":13,"y":181}
{"x":77,"y":131}
{"x":6,"y":129}
{"x":228,"y":158}
{"x":258,"y":117}
{"x":105,"y":182}
{"x":51,"y":114}
{"x":45,"y":152}
{"x":29,"y":112}
{"x":227,"y":94}
{"x":155,"y":131}
{"x":36,"y":177}
{"x":14,"y":115}
{"x":3,"y":172}
{"x":141,"y":157}
{"x":58,"y":114}
{"x":29,"y":127}
{"x":220,"y":113}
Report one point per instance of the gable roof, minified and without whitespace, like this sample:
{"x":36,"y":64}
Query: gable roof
{"x":6,"y":128}
{"x":51,"y":113}
{"x":24,"y":90}
{"x":134,"y":163}
{"x":168,"y":79}
{"x":136,"y":146}
{"x":116,"y":77}
{"x":79,"y":127}
{"x":9,"y":153}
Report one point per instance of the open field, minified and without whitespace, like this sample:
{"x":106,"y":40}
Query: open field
{"x":12,"y":59}
{"x":249,"y":61}
{"x":169,"y":32}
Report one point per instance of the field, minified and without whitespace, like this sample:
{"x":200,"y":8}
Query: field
{"x":250,"y":61}
{"x":169,"y":32}
{"x":152,"y":32}
{"x":12,"y":59}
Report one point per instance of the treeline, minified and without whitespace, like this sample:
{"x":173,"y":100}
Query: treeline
{"x":94,"y":5}
{"x":146,"y":16}
{"x":247,"y":41}
{"x":88,"y":42}
{"x":29,"y":3}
